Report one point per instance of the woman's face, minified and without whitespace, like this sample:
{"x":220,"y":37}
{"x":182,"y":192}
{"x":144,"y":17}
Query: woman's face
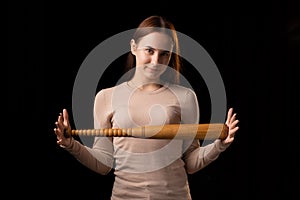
{"x":152,"y":53}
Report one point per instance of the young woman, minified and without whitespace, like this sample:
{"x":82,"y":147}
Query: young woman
{"x":147,"y":168}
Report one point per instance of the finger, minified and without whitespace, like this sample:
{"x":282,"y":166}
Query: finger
{"x":233,"y":131}
{"x":66,"y":117}
{"x":60,"y":118}
{"x":59,"y":124}
{"x":233,"y":126}
{"x":234,"y":123}
{"x":59,"y":114}
{"x":233,"y":118}
{"x":58,"y":132}
{"x":59,"y":141}
{"x":229,"y":114}
{"x":55,"y":131}
{"x":230,"y":111}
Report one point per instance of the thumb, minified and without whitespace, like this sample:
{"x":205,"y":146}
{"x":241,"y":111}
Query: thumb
{"x":66,"y":118}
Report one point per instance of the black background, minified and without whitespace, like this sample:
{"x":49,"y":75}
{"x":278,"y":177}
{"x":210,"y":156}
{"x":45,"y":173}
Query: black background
{"x":254,"y":45}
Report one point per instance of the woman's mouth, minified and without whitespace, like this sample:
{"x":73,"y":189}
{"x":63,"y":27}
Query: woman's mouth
{"x":153,"y":70}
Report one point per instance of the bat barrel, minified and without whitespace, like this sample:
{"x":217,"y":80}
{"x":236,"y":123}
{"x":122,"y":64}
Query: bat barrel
{"x":168,"y":131}
{"x":187,"y":131}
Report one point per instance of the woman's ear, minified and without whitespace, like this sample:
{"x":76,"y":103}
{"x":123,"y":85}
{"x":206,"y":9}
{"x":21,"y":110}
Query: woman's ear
{"x":132,"y":46}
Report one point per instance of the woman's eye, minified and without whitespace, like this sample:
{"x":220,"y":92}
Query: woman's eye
{"x":166,"y":54}
{"x":149,"y":51}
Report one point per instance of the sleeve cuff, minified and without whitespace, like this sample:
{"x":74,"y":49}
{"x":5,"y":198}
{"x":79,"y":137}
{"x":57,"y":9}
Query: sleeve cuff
{"x":220,"y":146}
{"x":70,"y":146}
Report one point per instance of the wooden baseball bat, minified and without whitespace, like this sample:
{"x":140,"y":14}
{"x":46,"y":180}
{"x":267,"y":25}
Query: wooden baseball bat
{"x":168,"y":131}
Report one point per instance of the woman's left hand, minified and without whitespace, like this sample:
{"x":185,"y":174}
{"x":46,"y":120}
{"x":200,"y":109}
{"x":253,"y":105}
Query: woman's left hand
{"x":231,"y":122}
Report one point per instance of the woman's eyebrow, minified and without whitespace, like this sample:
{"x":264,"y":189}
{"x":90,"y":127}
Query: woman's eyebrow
{"x":150,"y":47}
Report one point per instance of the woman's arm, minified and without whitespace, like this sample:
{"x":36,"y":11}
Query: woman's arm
{"x":197,"y":157}
{"x":99,"y":158}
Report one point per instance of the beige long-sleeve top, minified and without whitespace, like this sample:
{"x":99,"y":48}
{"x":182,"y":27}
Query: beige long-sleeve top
{"x":146,"y":168}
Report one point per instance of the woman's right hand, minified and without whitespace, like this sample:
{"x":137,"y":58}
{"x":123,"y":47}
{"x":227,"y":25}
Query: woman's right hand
{"x":62,"y":124}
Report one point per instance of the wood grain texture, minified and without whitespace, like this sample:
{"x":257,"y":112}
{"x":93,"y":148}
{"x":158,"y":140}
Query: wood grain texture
{"x":208,"y":131}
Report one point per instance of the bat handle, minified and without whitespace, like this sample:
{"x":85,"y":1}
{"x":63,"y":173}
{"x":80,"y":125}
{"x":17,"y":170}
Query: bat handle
{"x":105,"y":132}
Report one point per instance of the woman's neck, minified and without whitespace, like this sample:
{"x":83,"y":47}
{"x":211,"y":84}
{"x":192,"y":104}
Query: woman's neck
{"x":145,"y":85}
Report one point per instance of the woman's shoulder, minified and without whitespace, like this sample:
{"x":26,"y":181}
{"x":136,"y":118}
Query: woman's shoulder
{"x":180,"y":88}
{"x":109,"y":90}
{"x":112,"y":88}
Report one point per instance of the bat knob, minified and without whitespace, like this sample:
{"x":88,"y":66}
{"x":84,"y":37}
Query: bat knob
{"x":67,"y":132}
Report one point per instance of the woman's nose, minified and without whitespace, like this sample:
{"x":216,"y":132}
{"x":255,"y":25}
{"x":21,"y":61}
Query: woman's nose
{"x":155,"y":59}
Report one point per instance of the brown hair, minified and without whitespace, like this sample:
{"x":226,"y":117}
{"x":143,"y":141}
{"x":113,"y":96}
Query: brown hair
{"x":158,"y":24}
